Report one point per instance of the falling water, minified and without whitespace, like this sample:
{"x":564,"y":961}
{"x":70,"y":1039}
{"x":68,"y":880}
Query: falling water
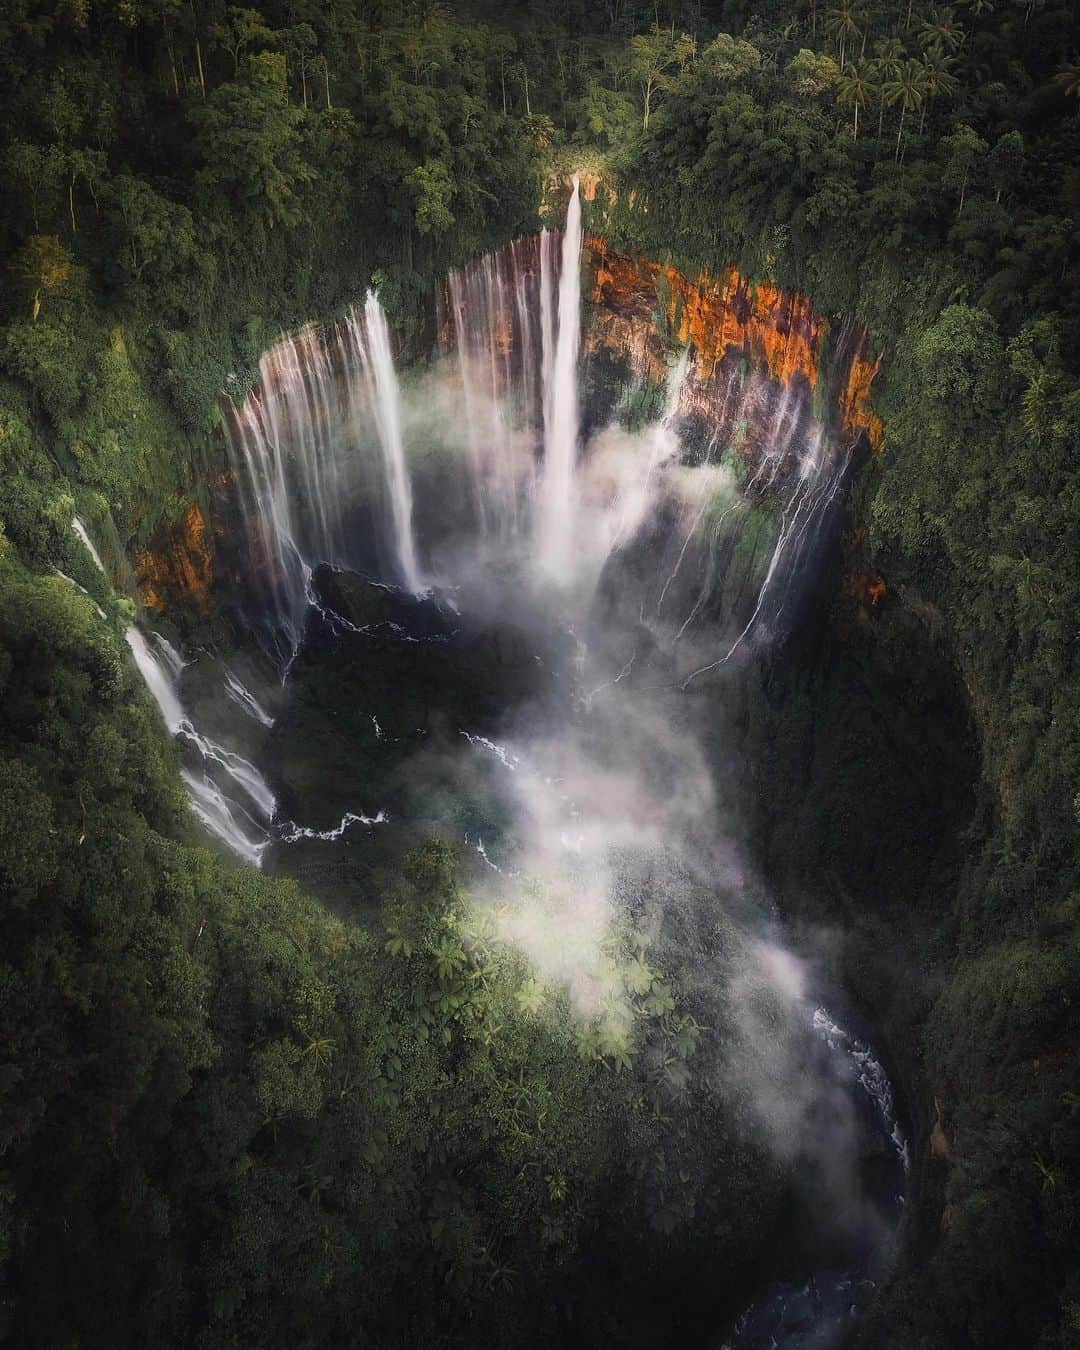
{"x":245,"y":700}
{"x":321,"y":466}
{"x":157,"y":679}
{"x":80,"y":530}
{"x":378,"y":359}
{"x":242,"y":821}
{"x":555,"y":525}
{"x":304,"y":481}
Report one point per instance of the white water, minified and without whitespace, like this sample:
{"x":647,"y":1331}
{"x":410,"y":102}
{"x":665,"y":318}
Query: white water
{"x":174,"y":660}
{"x":870,"y":1074}
{"x":157,"y":678}
{"x":80,"y":530}
{"x":386,"y":399}
{"x":298,"y":447}
{"x":288,"y":832}
{"x":555,"y":524}
{"x":245,"y":700}
{"x":235,"y":821}
{"x":71,"y":581}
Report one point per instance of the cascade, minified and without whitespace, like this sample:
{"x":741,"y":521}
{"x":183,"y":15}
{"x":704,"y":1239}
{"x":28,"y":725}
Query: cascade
{"x":555,"y":526}
{"x":297,"y":449}
{"x":491,"y":305}
{"x":378,"y":361}
{"x":80,"y":530}
{"x":240,"y":821}
{"x":733,"y":522}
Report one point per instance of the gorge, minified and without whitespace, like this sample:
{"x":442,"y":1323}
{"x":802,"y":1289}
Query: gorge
{"x":629,"y":545}
{"x":540,"y":723}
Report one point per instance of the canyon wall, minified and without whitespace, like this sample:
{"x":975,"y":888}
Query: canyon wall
{"x":761,"y":359}
{"x":640,"y":307}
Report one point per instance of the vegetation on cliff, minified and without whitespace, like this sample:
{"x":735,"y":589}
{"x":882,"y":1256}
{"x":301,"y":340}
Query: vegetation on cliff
{"x":217,"y":1101}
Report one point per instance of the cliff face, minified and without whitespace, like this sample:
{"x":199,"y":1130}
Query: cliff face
{"x":177,"y":571}
{"x":638,"y":302}
{"x":766,"y":369}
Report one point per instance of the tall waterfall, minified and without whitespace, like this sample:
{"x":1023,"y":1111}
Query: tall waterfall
{"x":378,"y":359}
{"x":555,"y":524}
{"x":484,"y":463}
{"x":225,"y":791}
{"x":305,"y":482}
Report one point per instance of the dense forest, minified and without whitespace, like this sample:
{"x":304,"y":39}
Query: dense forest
{"x":231,"y":1118}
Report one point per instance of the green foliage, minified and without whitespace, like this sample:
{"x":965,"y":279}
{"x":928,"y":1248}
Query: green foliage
{"x":248,"y":1119}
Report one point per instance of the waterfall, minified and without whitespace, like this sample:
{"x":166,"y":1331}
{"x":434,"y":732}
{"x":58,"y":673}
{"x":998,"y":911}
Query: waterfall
{"x":239,"y":809}
{"x":157,"y":679}
{"x":304,"y":480}
{"x":242,"y":821}
{"x":80,"y":530}
{"x":245,"y":700}
{"x":378,"y":359}
{"x":555,"y":526}
{"x":491,"y":319}
{"x":501,"y":474}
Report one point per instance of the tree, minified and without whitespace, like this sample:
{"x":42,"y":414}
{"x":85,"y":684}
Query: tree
{"x":940,"y":32}
{"x":1005,"y":162}
{"x":855,"y":91}
{"x":654,"y":54}
{"x":433,"y":185}
{"x":812,"y":73}
{"x":250,"y":142}
{"x":43,"y":264}
{"x":937,"y":79}
{"x":90,"y":166}
{"x":729,"y":58}
{"x":889,"y":55}
{"x":843,"y":24}
{"x":961,"y":151}
{"x":908,"y":89}
{"x":240,"y":30}
{"x":300,"y":42}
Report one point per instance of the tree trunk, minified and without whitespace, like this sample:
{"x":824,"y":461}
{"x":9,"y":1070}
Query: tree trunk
{"x":326,"y":77}
{"x":900,"y":131}
{"x":199,"y":65}
{"x":856,"y":119}
{"x":172,"y":68}
{"x":71,"y":202}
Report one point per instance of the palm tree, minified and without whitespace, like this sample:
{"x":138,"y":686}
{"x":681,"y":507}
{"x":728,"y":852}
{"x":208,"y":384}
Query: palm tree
{"x":842,"y":24}
{"x":855,"y":90}
{"x":940,"y":31}
{"x":886,"y":66}
{"x":907,"y":89}
{"x":937,"y":79}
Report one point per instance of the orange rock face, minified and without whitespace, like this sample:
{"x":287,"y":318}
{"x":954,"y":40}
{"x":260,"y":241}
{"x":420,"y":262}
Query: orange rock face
{"x":178,"y":568}
{"x":868,"y":589}
{"x":856,"y":411}
{"x":723,"y":315}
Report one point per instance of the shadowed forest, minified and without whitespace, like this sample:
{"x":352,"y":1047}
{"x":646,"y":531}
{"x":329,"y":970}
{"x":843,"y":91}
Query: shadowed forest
{"x":337,"y":1100}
